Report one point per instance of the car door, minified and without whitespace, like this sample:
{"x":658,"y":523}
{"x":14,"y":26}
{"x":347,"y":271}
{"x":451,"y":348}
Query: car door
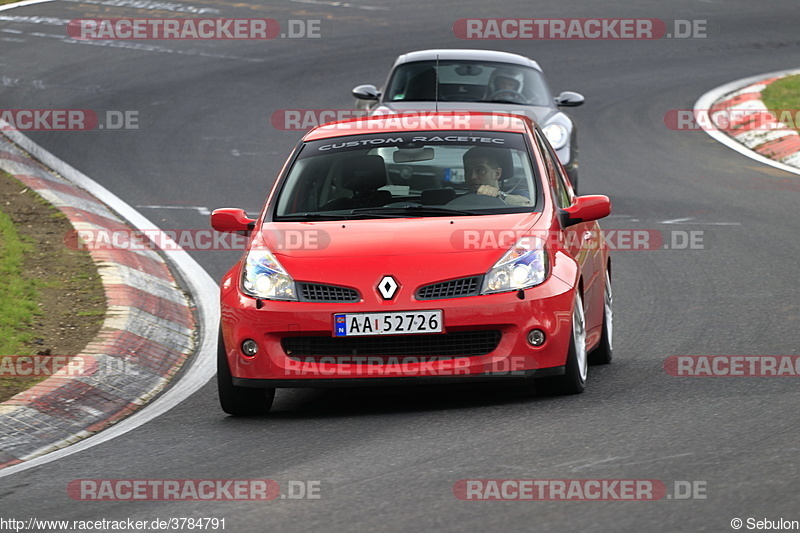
{"x":582,"y":241}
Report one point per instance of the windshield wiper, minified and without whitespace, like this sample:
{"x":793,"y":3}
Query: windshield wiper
{"x":414,"y":210}
{"x":355,"y":214}
{"x":379,"y":212}
{"x":300,"y":217}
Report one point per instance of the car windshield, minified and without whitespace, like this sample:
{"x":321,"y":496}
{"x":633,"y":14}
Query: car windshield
{"x":409,"y":175}
{"x":468,"y":81}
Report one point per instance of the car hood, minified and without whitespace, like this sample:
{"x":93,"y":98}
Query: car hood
{"x":453,"y":246}
{"x":539,"y":114}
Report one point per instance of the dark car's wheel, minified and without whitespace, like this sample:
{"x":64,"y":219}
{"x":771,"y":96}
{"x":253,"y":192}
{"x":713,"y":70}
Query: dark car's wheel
{"x":602,"y":355}
{"x":239,"y":401}
{"x":574,"y":379}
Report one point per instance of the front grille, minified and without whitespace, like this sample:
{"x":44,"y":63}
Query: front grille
{"x":457,"y":344}
{"x":456,"y":288}
{"x":316,"y":292}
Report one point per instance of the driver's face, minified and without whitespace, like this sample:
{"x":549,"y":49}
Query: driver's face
{"x":481,"y":172}
{"x":505,"y":84}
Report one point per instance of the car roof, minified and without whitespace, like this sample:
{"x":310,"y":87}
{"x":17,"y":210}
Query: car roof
{"x":430,"y":121}
{"x":466,"y":54}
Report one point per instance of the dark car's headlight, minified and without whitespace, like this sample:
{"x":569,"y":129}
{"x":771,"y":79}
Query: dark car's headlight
{"x":557,"y":135}
{"x":264,"y":277}
{"x":522,"y":267}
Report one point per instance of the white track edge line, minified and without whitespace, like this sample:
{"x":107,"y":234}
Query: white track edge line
{"x":705,"y":102}
{"x":23,"y":4}
{"x":202,"y":287}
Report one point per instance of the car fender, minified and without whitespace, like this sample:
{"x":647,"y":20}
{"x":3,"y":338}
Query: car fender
{"x":566,"y":269}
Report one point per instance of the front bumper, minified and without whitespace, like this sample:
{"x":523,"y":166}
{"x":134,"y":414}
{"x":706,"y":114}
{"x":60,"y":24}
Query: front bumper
{"x":547,"y":307}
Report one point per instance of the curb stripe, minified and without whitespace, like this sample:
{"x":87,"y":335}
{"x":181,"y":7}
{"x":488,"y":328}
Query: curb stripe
{"x":38,"y":183}
{"x":780,"y":149}
{"x":126,"y":295}
{"x":118,"y":274}
{"x":147,"y":265}
{"x":746,"y":93}
{"x":146,"y":337}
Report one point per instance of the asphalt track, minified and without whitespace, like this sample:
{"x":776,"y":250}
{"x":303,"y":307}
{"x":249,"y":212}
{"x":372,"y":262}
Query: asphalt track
{"x":387,"y":460}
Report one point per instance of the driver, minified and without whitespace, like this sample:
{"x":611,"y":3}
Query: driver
{"x":483,"y":172}
{"x":505,"y":80}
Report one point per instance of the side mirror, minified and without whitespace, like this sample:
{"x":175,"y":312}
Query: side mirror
{"x":586,"y":209}
{"x":230,"y":220}
{"x":570,"y":99}
{"x":366,"y":92}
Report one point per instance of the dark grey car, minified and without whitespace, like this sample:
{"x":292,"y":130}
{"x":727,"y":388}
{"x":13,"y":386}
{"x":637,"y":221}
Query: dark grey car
{"x":478,"y":80}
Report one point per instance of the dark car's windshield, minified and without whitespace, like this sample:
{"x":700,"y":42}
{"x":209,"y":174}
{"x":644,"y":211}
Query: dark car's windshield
{"x":417,"y":174}
{"x":468,"y":81}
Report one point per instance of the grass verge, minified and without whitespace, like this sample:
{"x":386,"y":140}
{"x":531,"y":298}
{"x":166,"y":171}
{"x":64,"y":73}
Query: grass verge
{"x":18,"y":297}
{"x":52,"y":301}
{"x":783,"y":99}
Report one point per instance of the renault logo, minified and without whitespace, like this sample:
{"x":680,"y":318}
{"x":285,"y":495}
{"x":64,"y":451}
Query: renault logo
{"x":387,"y":287}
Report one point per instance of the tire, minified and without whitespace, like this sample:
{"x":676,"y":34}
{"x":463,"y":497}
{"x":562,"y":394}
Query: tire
{"x":239,"y":401}
{"x":603,"y":354}
{"x":575,"y":372}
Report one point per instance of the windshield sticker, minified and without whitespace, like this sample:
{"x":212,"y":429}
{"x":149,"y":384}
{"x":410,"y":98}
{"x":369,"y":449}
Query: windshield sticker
{"x":414,"y":140}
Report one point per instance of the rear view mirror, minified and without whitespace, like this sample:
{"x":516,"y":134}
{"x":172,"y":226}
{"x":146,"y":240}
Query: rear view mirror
{"x":230,"y":220}
{"x":410,"y":155}
{"x":586,"y":209}
{"x":468,"y":70}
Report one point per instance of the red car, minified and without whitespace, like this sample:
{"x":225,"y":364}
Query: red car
{"x":416,"y":249}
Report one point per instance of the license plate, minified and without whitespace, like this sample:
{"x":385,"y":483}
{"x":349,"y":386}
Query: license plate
{"x":399,"y":323}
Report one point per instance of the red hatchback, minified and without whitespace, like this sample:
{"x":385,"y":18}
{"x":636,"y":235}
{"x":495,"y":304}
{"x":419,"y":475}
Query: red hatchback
{"x":416,"y":249}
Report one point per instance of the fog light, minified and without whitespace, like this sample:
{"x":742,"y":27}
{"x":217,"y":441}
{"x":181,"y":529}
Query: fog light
{"x":536,"y":337}
{"x":249,"y":347}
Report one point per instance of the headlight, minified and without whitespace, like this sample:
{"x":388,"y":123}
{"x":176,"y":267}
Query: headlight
{"x":557,"y":135}
{"x":264,"y":277}
{"x":522,"y":267}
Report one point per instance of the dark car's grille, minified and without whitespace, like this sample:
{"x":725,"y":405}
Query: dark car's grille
{"x":315,"y":292}
{"x":451,"y":289}
{"x":457,"y":344}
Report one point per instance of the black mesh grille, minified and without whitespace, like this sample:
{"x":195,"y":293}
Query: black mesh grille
{"x":314,"y":292}
{"x":458,"y":344}
{"x":456,"y":288}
